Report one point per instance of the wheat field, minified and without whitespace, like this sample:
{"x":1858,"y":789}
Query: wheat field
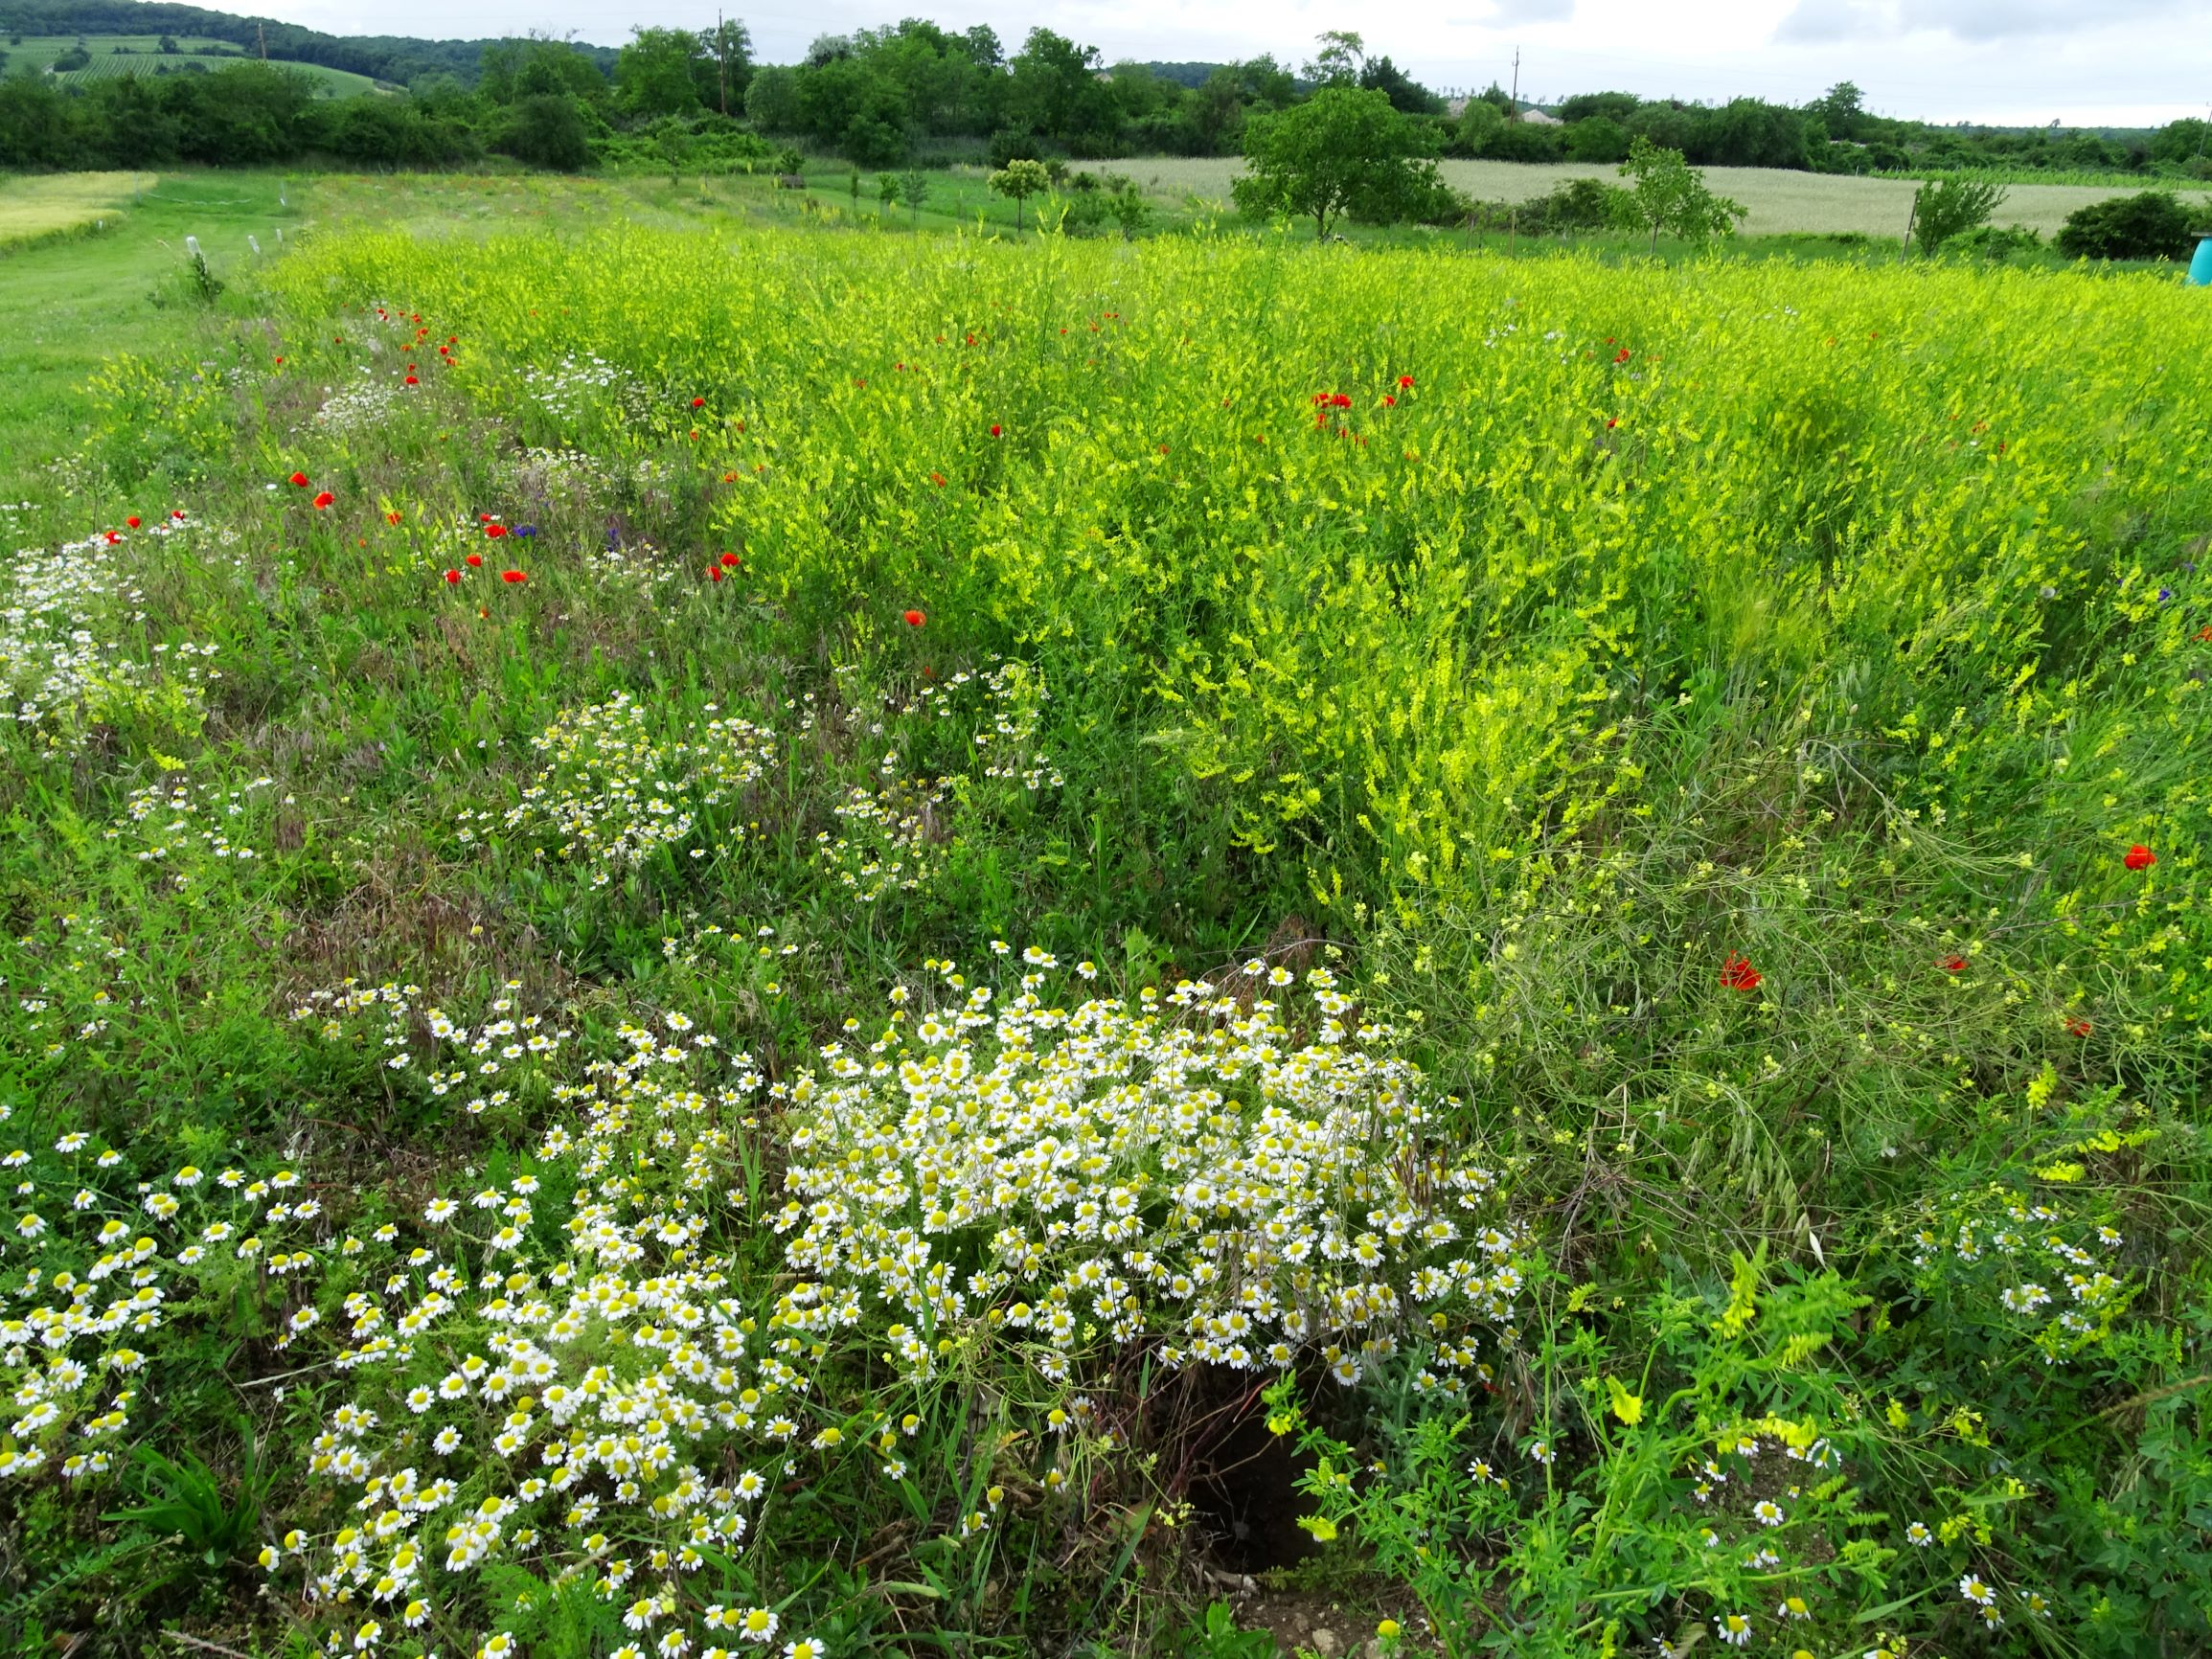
{"x":1780,"y":203}
{"x":32,"y":209}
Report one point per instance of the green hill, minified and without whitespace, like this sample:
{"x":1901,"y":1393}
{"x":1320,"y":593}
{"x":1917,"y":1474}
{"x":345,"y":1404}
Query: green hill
{"x":398,"y":60}
{"x":78,"y":58}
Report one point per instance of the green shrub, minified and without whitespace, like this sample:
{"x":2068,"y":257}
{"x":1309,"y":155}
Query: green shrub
{"x":1949,"y":207}
{"x":2152,"y":225}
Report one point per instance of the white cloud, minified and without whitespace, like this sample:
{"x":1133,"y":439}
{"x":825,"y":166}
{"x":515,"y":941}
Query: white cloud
{"x":1821,"y":21}
{"x":1511,"y":11}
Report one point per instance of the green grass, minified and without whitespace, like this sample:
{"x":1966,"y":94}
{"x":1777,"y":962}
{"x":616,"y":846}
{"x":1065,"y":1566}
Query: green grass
{"x":141,"y":55}
{"x":1697,"y":712}
{"x":86,"y":301}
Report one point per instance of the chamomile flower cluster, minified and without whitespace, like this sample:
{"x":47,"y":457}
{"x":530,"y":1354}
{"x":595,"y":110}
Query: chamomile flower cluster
{"x":571,"y":478}
{"x":97,"y":1258}
{"x":361,"y":405}
{"x":2031,"y":1264}
{"x":588,"y":1388}
{"x":614,"y":791}
{"x":1187,"y":1172}
{"x":177,"y":824}
{"x":581,"y":383}
{"x":65,"y":665}
{"x":893,"y":833}
{"x":891,"y":837}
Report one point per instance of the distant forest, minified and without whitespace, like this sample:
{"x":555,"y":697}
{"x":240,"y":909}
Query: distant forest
{"x":912,"y":93}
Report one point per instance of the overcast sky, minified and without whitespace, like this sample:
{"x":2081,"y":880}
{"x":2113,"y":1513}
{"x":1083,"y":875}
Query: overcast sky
{"x":2086,"y":62}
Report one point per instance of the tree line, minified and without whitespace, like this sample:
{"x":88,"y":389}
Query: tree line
{"x":907,"y":93}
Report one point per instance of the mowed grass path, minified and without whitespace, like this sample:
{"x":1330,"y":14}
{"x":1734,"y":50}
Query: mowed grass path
{"x":1780,"y":202}
{"x":78,"y":300}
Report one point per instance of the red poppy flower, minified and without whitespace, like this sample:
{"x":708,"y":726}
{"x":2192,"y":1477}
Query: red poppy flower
{"x":1342,"y":401}
{"x":453,"y":576}
{"x":698,"y":403}
{"x":1953,"y":965}
{"x":1738,"y":974}
{"x":1388,"y":401}
{"x":1623,"y":355}
{"x":412,"y":381}
{"x":715,"y":571}
{"x":392,"y":517}
{"x":994,"y":431}
{"x":132,"y":521}
{"x":474,"y":560}
{"x":915,"y":618}
{"x":1405,"y":381}
{"x":2080,"y":1027}
{"x":325,"y":499}
{"x":300,"y":479}
{"x":1611,"y":424}
{"x":2139,"y":857}
{"x":937,"y":479}
{"x":176,"y":512}
{"x":513,"y":576}
{"x":496,"y":530}
{"x":280,"y":359}
{"x":730,"y":560}
{"x":112,"y":538}
{"x":2205,"y":632}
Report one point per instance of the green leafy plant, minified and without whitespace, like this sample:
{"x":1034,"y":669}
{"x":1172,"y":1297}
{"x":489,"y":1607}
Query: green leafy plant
{"x":1019,"y":181}
{"x":1216,"y":1635}
{"x":1952,"y":205}
{"x":2152,"y":225}
{"x":1668,"y":195}
{"x":1344,"y":150}
{"x":185,"y":1499}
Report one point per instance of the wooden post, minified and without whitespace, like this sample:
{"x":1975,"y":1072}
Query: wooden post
{"x":1910,"y":219}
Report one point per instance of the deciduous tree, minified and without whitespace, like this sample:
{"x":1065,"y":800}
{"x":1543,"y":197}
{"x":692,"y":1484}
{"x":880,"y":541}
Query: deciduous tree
{"x":1343,"y":151}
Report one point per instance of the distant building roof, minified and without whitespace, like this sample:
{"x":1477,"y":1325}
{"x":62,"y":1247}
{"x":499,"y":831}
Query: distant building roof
{"x":1538,"y":118}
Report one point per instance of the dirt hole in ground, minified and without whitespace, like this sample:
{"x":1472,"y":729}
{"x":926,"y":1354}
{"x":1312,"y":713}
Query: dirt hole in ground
{"x":1240,"y":1480}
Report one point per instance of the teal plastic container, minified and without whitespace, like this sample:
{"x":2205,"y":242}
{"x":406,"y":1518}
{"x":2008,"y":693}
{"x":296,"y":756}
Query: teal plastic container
{"x":2200,"y":267}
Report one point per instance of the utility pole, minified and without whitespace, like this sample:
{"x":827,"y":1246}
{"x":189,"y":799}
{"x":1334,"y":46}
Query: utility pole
{"x":262,"y":31}
{"x":723,"y":57}
{"x":1513,"y":99}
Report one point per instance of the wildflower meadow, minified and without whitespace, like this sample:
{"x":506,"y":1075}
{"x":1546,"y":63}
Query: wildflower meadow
{"x":730,"y":942}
